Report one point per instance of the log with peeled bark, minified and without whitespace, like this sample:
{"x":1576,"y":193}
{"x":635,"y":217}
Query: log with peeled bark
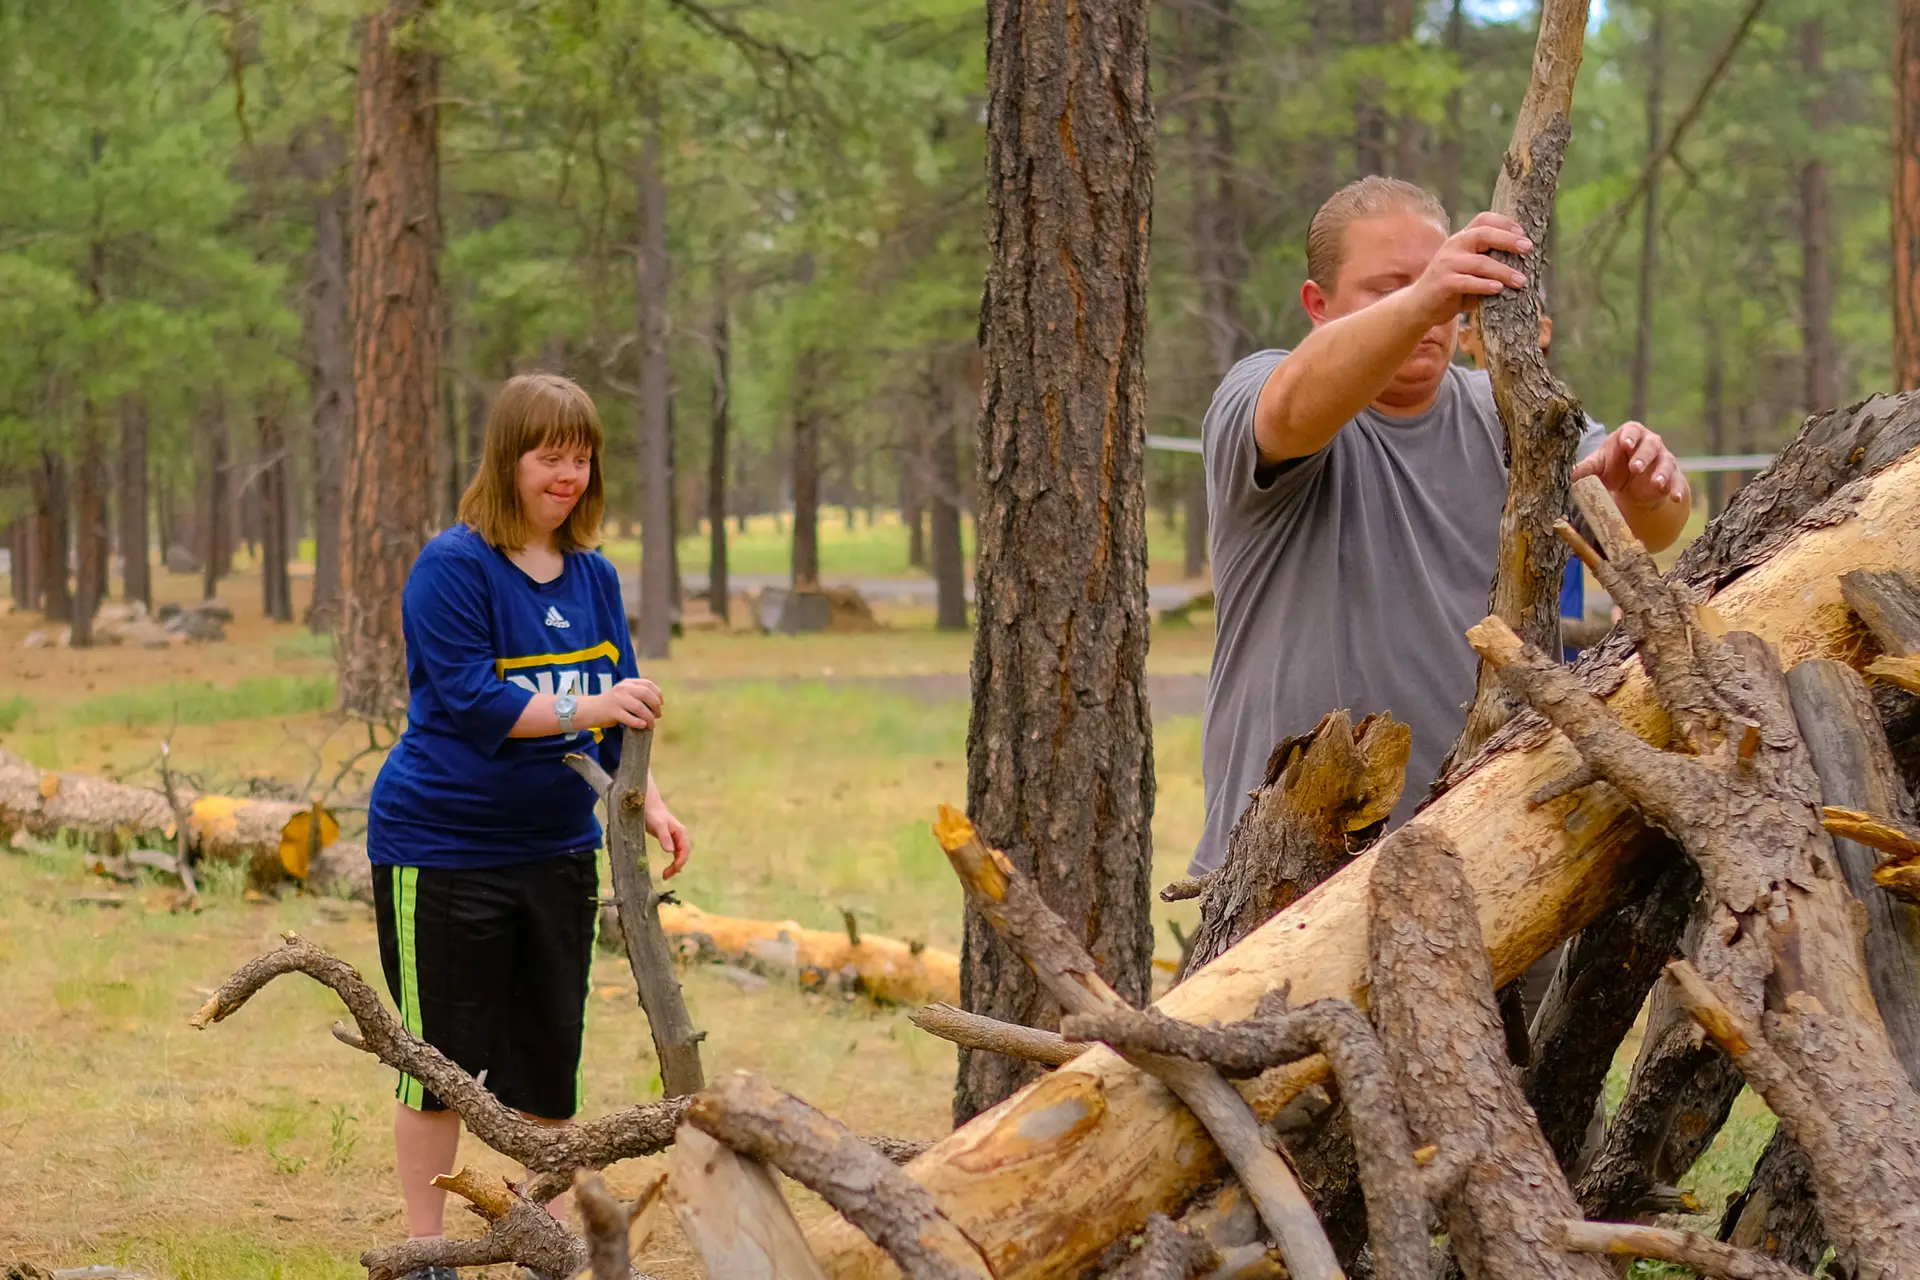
{"x":1319,"y":789}
{"x":1742,"y":796}
{"x":1044,"y":1180}
{"x":733,"y":1214}
{"x":1433,"y":1003}
{"x":273,"y":839}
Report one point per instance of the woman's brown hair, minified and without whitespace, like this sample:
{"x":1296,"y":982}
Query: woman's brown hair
{"x":534,"y":411}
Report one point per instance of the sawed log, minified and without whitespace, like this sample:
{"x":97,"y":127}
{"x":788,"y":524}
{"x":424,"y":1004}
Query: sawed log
{"x":733,"y":1214}
{"x":1079,"y":1158}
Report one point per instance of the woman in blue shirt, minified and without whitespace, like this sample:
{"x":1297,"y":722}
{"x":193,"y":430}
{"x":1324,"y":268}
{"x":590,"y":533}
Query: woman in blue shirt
{"x":483,"y":840}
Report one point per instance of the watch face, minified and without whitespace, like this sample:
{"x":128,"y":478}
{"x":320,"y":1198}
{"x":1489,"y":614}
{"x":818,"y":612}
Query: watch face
{"x":564,"y":704}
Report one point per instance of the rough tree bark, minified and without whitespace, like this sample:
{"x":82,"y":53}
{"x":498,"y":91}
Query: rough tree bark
{"x":1906,"y":195}
{"x":958,"y":401}
{"x":214,"y":520}
{"x":1543,"y":420}
{"x":395,"y":286}
{"x":1816,"y":230}
{"x":1453,"y":143}
{"x":1059,"y":746}
{"x":90,"y":526}
{"x":1091,"y":1150}
{"x":719,"y":590}
{"x":136,"y":561}
{"x":276,"y":584}
{"x":329,"y":341}
{"x":1433,"y":1004}
{"x":654,"y":636}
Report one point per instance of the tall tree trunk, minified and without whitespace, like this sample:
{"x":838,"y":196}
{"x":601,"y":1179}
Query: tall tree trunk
{"x":330,"y":352}
{"x":1713,"y":398}
{"x":1655,"y":59}
{"x":17,"y":532}
{"x":395,"y":286}
{"x":719,"y":590}
{"x":958,"y":405}
{"x":1453,"y":146}
{"x":136,"y":561}
{"x":52,"y":495}
{"x":1060,"y":745}
{"x":276,"y":585}
{"x":673,"y":515}
{"x":911,"y":511}
{"x":90,"y":527}
{"x":1906,"y":195}
{"x":655,"y":633}
{"x":1816,"y":232}
{"x":1369,"y":117}
{"x":806,"y":472}
{"x":216,"y":550}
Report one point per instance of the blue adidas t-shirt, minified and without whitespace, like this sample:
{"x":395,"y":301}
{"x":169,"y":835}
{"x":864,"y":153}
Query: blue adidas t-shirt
{"x":482,"y":639}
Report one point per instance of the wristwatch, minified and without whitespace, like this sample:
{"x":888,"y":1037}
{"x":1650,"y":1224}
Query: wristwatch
{"x":564,"y":706}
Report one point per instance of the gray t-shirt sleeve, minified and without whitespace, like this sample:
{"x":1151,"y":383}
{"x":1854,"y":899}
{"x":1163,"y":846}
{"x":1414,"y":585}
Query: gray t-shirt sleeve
{"x":1237,"y":481}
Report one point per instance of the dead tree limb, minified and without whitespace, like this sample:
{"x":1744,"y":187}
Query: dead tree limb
{"x":1433,"y":1003}
{"x":675,"y":1041}
{"x":757,"y":1120}
{"x":1744,"y":800}
{"x":1085,"y":1154}
{"x":1775,"y":1213}
{"x":1383,"y":1152}
{"x":608,"y":1224}
{"x":977,"y":1031}
{"x":1684,"y":1248}
{"x":1319,"y":789}
{"x":543,"y":1149}
{"x":1544,"y":421}
{"x":518,"y":1230}
{"x":1016,"y":912}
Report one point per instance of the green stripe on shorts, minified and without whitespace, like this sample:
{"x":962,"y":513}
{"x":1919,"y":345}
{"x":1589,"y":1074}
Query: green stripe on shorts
{"x":406,"y":895}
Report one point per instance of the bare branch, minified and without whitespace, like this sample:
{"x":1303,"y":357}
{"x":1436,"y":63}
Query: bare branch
{"x":976,"y":1031}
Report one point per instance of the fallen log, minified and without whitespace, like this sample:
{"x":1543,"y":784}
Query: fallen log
{"x":886,"y":969}
{"x":273,"y":839}
{"x":1044,"y":1180}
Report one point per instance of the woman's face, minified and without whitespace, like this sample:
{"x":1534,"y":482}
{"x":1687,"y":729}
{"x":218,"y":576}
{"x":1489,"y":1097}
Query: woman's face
{"x":550,"y":480}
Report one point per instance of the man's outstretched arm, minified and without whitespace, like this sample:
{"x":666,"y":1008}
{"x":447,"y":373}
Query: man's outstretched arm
{"x":1344,"y":364}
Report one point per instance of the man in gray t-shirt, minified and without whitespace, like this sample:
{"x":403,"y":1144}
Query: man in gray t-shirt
{"x":1354,"y":490}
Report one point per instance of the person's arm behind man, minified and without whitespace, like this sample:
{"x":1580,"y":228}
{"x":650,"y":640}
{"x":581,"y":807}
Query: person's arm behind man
{"x":1348,"y":360}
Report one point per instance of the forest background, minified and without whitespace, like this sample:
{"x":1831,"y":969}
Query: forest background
{"x":175,"y":370}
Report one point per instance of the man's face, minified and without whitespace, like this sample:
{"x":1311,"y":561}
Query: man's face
{"x":1384,"y":255}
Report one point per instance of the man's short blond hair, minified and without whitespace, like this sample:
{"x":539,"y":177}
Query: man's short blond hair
{"x":1369,"y":197}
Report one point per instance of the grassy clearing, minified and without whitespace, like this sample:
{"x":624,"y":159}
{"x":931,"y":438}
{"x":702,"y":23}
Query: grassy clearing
{"x":261,"y":1148}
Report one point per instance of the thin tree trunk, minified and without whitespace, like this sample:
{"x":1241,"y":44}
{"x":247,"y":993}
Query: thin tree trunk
{"x":19,"y":534}
{"x":90,"y":528}
{"x":330,"y":351}
{"x":719,"y":590}
{"x":654,"y":636}
{"x":958,"y":404}
{"x":1906,"y":195}
{"x":1816,"y":232}
{"x":55,"y":537}
{"x":1655,"y":58}
{"x":395,"y":286}
{"x":911,"y":513}
{"x":216,"y":551}
{"x":673,"y":514}
{"x":1453,"y":146}
{"x":1369,"y":117}
{"x":806,"y":473}
{"x":1059,"y":746}
{"x":276,"y":583}
{"x":136,"y":564}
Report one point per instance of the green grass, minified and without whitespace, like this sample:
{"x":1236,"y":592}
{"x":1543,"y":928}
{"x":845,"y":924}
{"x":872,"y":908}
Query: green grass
{"x":303,"y":645}
{"x":203,"y":702}
{"x":11,"y":710}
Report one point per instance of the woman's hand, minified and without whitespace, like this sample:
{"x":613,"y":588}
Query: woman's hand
{"x":670,"y":832}
{"x":635,"y":703}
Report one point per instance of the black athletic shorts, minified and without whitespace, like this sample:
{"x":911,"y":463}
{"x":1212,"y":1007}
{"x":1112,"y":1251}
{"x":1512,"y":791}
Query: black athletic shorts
{"x":491,"y":968}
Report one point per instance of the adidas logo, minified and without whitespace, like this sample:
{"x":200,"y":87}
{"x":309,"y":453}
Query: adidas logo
{"x":555,"y":620}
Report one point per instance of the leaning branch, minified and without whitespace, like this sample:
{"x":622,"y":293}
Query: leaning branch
{"x":977,"y":1031}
